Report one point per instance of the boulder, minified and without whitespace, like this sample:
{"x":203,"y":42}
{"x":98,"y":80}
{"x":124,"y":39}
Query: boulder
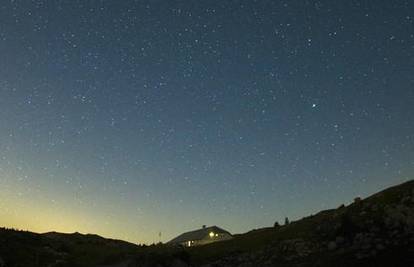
{"x":332,"y":245}
{"x":179,"y":263}
{"x":380,"y":246}
{"x":339,"y":240}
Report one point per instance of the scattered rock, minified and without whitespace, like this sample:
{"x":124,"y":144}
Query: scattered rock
{"x":339,"y":240}
{"x":332,"y":245}
{"x":380,"y":247}
{"x":363,"y":213}
{"x":179,"y":263}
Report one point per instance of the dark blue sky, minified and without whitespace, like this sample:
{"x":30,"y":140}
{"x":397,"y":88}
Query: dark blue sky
{"x":126,"y":118}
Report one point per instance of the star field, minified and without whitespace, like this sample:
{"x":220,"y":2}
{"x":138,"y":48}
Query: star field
{"x":127,"y":118}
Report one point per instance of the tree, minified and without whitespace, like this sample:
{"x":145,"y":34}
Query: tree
{"x":286,"y":221}
{"x":276,"y":224}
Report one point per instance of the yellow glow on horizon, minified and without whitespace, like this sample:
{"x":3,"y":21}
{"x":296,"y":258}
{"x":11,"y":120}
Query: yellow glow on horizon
{"x":40,"y":215}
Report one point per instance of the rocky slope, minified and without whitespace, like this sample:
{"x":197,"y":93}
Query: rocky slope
{"x":377,"y":231}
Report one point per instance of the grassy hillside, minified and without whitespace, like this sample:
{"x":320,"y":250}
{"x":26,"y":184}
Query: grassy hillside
{"x":332,"y":234}
{"x":376,"y":231}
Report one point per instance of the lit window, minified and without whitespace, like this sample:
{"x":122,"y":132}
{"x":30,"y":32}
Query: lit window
{"x":211,"y":234}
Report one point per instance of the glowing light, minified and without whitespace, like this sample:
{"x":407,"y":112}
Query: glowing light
{"x":211,"y":234}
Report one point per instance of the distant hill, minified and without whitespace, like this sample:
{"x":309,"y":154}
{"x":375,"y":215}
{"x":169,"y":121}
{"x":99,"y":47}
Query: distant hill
{"x":22,"y":248}
{"x":376,"y":231}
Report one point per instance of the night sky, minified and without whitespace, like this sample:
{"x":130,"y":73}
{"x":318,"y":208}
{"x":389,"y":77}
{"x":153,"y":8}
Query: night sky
{"x":130,"y":118}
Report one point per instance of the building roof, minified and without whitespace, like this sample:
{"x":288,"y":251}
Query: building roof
{"x":198,"y":234}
